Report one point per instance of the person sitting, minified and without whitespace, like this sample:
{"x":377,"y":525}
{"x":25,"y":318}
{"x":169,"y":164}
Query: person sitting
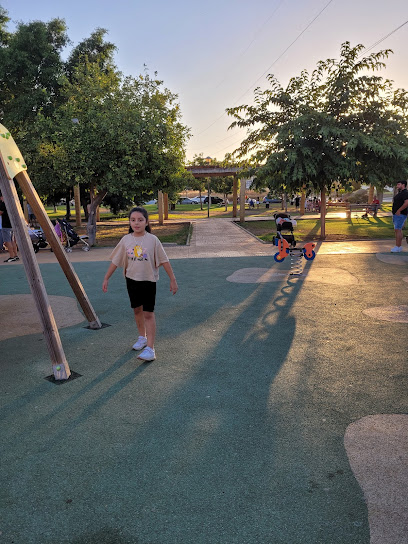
{"x":372,"y":208}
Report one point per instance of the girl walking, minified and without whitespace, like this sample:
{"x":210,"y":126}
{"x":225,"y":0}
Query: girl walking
{"x":140,"y":253}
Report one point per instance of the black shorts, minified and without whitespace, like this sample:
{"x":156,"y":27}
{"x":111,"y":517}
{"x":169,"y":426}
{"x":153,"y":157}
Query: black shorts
{"x":142,"y":293}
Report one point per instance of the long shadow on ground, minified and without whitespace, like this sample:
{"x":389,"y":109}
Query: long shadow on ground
{"x":234,"y":435}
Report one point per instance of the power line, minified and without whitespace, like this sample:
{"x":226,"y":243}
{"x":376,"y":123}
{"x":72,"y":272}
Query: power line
{"x":275,"y":61}
{"x":381,"y":40}
{"x":287,"y":49}
{"x":366,"y":50}
{"x":257,"y":33}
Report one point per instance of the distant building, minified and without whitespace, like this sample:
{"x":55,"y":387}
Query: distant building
{"x":208,"y":160}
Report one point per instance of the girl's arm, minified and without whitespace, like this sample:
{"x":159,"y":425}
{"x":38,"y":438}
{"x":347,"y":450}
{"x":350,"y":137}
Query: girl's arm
{"x":173,"y":283}
{"x":111,"y":270}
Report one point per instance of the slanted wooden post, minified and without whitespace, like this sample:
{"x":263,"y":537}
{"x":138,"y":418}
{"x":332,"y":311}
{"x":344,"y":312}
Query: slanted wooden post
{"x":55,"y":243}
{"x":59,"y":363}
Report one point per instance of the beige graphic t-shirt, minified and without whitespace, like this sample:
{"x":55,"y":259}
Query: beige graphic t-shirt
{"x":140,"y":257}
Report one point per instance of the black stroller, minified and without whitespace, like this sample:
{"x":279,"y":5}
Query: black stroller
{"x":38,"y":239}
{"x":71,"y":238}
{"x":284,"y":228}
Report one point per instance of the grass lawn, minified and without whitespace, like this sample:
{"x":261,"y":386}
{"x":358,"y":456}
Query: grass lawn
{"x":307,"y":229}
{"x":378,"y":228}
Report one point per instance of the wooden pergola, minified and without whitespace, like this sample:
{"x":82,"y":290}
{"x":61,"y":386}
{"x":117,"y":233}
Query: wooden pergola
{"x":218,"y":171}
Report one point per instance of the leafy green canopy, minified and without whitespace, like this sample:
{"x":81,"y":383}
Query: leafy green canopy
{"x":82,"y":121}
{"x":340,"y":123}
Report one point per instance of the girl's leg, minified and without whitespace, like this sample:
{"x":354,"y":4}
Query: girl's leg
{"x":140,"y":320}
{"x":150,"y":322}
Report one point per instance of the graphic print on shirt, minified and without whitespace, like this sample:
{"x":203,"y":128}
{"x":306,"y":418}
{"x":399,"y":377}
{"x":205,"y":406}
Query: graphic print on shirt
{"x":136,"y":253}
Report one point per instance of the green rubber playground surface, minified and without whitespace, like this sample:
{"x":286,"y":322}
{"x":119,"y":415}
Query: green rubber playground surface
{"x":235,"y":434}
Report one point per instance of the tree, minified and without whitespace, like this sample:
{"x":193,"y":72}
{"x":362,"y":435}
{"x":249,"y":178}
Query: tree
{"x":31,"y":70}
{"x":337,"y":124}
{"x":83,"y":122}
{"x":128,"y":138}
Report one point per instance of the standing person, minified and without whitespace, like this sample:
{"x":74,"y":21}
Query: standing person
{"x":399,"y":213}
{"x":140,"y":253}
{"x":31,"y":216}
{"x":7,"y":232}
{"x":297,"y":201}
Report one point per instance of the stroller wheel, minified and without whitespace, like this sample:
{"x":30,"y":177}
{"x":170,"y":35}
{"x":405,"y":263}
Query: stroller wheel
{"x":68,"y":249}
{"x":86,"y":248}
{"x":36,"y":248}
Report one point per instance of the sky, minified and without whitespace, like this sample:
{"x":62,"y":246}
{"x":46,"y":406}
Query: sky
{"x":214,"y":54}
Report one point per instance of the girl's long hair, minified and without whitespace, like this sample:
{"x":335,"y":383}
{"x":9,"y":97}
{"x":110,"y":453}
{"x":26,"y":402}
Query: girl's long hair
{"x":144,"y":213}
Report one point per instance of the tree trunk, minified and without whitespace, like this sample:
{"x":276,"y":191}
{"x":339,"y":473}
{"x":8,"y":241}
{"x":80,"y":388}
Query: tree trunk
{"x":91,"y":225}
{"x":85,"y":208}
{"x":370,"y":194}
{"x":323,"y":214}
{"x":160,"y":206}
{"x":67,"y":205}
{"x":166,"y":206}
{"x":380,"y":195}
{"x":302,"y":201}
{"x":77,"y":198}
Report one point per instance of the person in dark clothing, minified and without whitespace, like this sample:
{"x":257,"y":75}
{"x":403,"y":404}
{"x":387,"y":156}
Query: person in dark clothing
{"x":399,"y":213}
{"x":7,"y":231}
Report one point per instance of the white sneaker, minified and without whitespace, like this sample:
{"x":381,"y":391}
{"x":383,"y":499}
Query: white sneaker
{"x":147,"y":354}
{"x":396,"y":249}
{"x":140,"y":344}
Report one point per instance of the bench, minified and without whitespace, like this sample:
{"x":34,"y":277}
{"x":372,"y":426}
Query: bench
{"x":366,"y":207}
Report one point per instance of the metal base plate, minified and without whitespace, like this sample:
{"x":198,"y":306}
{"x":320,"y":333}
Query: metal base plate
{"x":73,"y":376}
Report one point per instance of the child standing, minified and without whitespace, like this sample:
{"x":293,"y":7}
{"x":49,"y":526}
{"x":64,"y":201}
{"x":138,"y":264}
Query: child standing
{"x":140,"y":253}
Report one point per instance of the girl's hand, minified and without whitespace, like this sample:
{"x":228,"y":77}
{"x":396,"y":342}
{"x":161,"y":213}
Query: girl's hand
{"x":105,"y":286}
{"x":173,"y":286}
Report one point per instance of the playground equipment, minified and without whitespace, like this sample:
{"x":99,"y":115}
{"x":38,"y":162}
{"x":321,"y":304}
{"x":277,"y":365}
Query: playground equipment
{"x":286,"y":243}
{"x":12,"y":166}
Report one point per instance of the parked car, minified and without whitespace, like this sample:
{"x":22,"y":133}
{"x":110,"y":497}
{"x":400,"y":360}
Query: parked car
{"x":214,"y":200}
{"x":198,"y":199}
{"x":154,"y":201}
{"x":187,"y":201}
{"x":272,"y":200}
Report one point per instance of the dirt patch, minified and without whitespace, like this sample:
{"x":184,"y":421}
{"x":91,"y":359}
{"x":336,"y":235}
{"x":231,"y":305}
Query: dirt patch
{"x":108,"y":235}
